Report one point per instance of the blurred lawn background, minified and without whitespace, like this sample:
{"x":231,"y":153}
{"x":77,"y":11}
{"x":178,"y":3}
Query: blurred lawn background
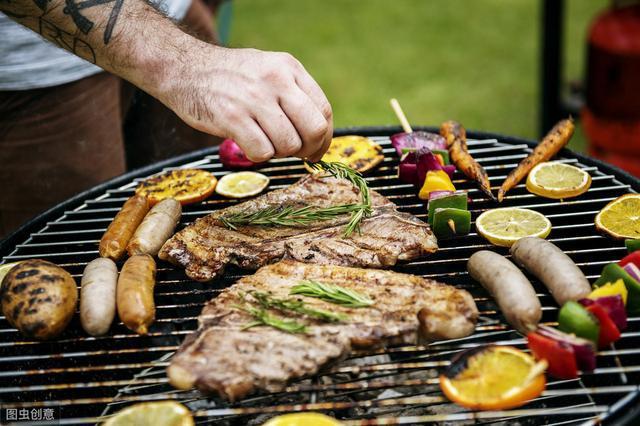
{"x":476,"y":61}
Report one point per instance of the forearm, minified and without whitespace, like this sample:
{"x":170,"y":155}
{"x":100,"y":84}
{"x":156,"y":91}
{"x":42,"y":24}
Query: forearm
{"x":126,"y":37}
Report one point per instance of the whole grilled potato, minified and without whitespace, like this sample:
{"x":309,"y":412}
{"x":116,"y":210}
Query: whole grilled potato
{"x":38,"y":298}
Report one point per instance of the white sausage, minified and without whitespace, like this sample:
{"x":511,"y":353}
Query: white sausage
{"x":98,"y":296}
{"x":156,"y":228}
{"x":550,"y":265}
{"x":509,"y":287}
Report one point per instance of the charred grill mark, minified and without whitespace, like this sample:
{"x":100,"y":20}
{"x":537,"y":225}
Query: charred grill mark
{"x":36,"y":291}
{"x":19,"y":288}
{"x":51,"y":278}
{"x":16,"y":310}
{"x":33,"y":328}
{"x":26,"y":274}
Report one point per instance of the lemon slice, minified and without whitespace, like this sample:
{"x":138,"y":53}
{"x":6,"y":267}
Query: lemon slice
{"x":242,"y":184}
{"x":4,"y":269}
{"x":357,"y":152}
{"x":503,"y":227}
{"x":165,"y":413}
{"x":621,"y":217}
{"x":493,"y":378}
{"x":558,"y":180}
{"x":303,"y":419}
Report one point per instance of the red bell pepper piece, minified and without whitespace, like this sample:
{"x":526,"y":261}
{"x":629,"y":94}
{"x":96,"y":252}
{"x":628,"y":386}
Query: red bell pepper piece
{"x":631,"y":258}
{"x":560,"y":356}
{"x":609,"y":333}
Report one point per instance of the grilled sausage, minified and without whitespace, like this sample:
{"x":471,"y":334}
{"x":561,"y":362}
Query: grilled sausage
{"x":456,"y":138}
{"x":38,"y":298}
{"x":553,"y":142}
{"x":134,"y":293}
{"x":115,"y":239}
{"x":509,"y":287}
{"x":98,"y":296}
{"x":156,"y":228}
{"x":550,"y":265}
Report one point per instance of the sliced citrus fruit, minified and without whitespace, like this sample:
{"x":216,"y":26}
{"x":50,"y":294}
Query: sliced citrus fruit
{"x":303,"y":419}
{"x":242,"y":184}
{"x":621,"y":217}
{"x":357,"y":152}
{"x":4,"y":269}
{"x":557,"y":180}
{"x":493,"y":378}
{"x":503,"y":227}
{"x":165,"y":413}
{"x":185,"y":185}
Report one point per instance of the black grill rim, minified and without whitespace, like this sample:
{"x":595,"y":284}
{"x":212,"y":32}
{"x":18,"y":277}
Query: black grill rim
{"x":627,"y":413}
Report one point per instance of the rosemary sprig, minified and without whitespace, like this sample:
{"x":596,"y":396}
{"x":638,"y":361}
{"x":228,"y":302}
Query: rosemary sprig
{"x":262,"y":317}
{"x":287,"y":216}
{"x":342,"y":171}
{"x":267,"y":301}
{"x":332,"y":293}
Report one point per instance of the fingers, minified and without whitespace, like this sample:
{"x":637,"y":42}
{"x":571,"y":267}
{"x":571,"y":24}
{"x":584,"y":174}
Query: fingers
{"x":283,"y":135}
{"x":310,"y":124}
{"x":308,"y":85}
{"x":317,"y":156}
{"x":253,"y":141}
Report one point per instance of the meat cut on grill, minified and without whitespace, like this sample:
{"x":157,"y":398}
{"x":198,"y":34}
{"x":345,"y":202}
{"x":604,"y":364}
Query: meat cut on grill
{"x":205,"y":247}
{"x":224,"y":357}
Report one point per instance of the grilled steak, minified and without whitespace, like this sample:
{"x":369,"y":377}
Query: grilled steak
{"x":206,"y":246}
{"x":224,"y":358}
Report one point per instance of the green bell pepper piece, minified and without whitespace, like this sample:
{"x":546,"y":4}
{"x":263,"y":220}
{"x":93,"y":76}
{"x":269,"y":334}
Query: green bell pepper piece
{"x":445,"y":155}
{"x":449,"y":222}
{"x":574,"y":318}
{"x":632,"y":245}
{"x":454,"y":201}
{"x":613,"y":272}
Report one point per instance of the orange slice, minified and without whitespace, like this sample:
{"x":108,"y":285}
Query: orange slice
{"x":621,"y":217}
{"x":493,"y":378}
{"x":357,"y":152}
{"x":185,"y":185}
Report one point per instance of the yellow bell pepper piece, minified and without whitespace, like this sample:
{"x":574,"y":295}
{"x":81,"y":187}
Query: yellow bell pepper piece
{"x":436,"y":180}
{"x":610,"y":289}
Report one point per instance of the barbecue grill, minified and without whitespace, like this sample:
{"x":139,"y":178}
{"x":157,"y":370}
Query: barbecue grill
{"x":83,"y":378}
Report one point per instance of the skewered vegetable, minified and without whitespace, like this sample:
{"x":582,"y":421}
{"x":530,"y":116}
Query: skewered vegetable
{"x":633,"y":258}
{"x":115,"y":239}
{"x":552,"y":345}
{"x":443,"y":200}
{"x":456,"y":138}
{"x":608,"y":332}
{"x":617,"y":288}
{"x":632,"y":270}
{"x":552,"y":143}
{"x":613,"y":306}
{"x":156,"y":228}
{"x":416,"y":141}
{"x":449,"y":222}
{"x":613,"y":272}
{"x":574,"y":318}
{"x":98,"y":296}
{"x":38,"y":298}
{"x":435,"y":181}
{"x":632,"y":245}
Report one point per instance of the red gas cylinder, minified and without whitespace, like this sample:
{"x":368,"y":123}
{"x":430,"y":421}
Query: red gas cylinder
{"x":611,"y":117}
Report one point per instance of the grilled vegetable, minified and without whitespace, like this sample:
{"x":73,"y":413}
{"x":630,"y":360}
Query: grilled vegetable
{"x":613,"y":272}
{"x":574,"y":318}
{"x":443,"y":200}
{"x":456,"y":138}
{"x":616,"y":288}
{"x":435,"y":181}
{"x":449,"y":222}
{"x":632,"y":270}
{"x":156,"y":228}
{"x":136,"y":307}
{"x":632,"y":245}
{"x":38,"y":298}
{"x":552,"y":143}
{"x":417,"y":140}
{"x":232,"y":156}
{"x":98,"y":296}
{"x":559,"y":356}
{"x":555,"y":269}
{"x":609,"y":333}
{"x":415,"y":165}
{"x":359,"y":153}
{"x":613,"y":306}
{"x":508,"y":285}
{"x":633,"y":258}
{"x":115,"y":239}
{"x":185,"y":185}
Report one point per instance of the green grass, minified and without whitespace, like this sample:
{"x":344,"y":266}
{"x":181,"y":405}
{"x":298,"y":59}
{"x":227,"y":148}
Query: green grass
{"x":473,"y":61}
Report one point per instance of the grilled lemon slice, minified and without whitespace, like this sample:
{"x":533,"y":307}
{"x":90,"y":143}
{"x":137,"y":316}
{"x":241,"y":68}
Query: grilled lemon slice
{"x":185,"y":185}
{"x":165,"y":413}
{"x":558,"y":180}
{"x":357,"y":152}
{"x":303,"y":419}
{"x":493,"y":378}
{"x":242,"y":184}
{"x":503,"y":227}
{"x":621,"y":217}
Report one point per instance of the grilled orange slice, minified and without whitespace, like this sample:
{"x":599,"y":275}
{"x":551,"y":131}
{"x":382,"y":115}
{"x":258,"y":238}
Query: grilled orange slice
{"x":185,"y":185}
{"x":621,"y":217}
{"x":493,"y":378}
{"x":303,"y":419}
{"x":357,"y":152}
{"x":164,"y":413}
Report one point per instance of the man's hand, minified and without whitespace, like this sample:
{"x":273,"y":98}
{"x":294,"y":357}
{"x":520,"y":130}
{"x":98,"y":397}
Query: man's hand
{"x":265,"y":101}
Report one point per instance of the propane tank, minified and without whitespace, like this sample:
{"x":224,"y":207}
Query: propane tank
{"x":611,"y":117}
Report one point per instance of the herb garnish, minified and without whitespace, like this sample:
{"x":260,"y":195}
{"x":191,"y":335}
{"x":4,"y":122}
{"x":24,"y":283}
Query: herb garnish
{"x":262,"y":317}
{"x":290,"y":216}
{"x":267,"y":301}
{"x":332,"y":293}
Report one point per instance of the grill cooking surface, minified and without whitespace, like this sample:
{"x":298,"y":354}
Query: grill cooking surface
{"x":88,"y":377}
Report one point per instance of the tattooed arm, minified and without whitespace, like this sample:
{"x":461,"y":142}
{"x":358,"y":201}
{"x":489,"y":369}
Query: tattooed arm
{"x":266,"y":101}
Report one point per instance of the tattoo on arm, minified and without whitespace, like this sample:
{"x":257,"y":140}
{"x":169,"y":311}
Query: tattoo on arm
{"x":66,"y":40}
{"x":73,"y":8}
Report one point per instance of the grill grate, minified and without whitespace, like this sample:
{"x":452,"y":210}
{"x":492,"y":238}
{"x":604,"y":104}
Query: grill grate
{"x":86,"y":377}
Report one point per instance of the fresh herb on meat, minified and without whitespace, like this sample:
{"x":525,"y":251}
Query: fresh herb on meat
{"x":267,"y":301}
{"x":287,"y":216}
{"x":342,"y":171}
{"x":332,"y":293}
{"x":262,"y":317}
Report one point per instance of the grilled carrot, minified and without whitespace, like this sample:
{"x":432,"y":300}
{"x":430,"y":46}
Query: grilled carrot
{"x":115,"y":239}
{"x":456,"y":138}
{"x":552,"y":143}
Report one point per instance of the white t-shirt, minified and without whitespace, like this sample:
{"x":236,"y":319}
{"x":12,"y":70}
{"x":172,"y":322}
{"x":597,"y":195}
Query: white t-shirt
{"x":28,"y":61}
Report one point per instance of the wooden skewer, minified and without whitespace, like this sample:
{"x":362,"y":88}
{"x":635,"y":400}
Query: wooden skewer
{"x":400,"y":114}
